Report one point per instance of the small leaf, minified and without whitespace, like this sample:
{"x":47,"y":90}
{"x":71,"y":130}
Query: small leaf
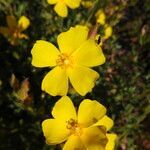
{"x":23,"y":92}
{"x":14,"y":83}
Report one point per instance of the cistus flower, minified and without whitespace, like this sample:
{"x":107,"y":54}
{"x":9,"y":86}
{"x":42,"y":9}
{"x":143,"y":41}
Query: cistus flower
{"x":71,"y":64}
{"x":14,"y":30}
{"x":85,"y":129}
{"x":100,"y":17}
{"x":61,"y":6}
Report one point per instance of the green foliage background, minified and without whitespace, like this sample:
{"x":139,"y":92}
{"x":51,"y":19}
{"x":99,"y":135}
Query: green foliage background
{"x":123,"y":87}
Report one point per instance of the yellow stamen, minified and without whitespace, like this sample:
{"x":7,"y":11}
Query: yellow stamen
{"x":64,"y":60}
{"x":74,"y":127}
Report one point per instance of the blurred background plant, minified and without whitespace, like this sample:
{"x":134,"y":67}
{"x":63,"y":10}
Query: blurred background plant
{"x":123,"y":87}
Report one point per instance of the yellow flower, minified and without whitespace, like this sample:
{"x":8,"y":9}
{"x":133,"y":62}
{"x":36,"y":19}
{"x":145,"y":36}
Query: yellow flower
{"x":86,"y":129}
{"x":14,"y":30}
{"x":72,"y":63}
{"x":87,"y":3}
{"x":101,"y":17}
{"x":61,"y":6}
{"x":108,"y":31}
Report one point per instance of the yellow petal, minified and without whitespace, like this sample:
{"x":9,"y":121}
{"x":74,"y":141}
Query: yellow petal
{"x":44,"y":54}
{"x":101,"y":17}
{"x":61,"y":9}
{"x":23,"y":23}
{"x":90,"y":112}
{"x":52,"y":1}
{"x":72,"y":39}
{"x":89,"y":54}
{"x":56,"y":82}
{"x":73,"y":3}
{"x":5,"y":31}
{"x":105,"y":121}
{"x":64,"y":109}
{"x":94,"y":138}
{"x":11,"y":22}
{"x":111,"y":141}
{"x":82,"y":78}
{"x":74,"y":143}
{"x":55,"y":131}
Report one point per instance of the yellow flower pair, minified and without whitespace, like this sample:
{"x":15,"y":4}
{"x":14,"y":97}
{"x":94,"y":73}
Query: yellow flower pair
{"x":71,"y":64}
{"x":82,"y":130}
{"x":14,"y":30}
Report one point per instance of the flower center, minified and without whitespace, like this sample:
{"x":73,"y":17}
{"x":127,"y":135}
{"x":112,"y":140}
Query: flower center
{"x":74,"y":127}
{"x":64,"y":60}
